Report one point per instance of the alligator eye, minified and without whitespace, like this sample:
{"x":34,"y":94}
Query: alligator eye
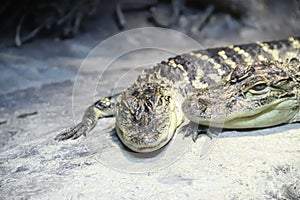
{"x":159,"y":103}
{"x":294,"y":60}
{"x":259,"y":87}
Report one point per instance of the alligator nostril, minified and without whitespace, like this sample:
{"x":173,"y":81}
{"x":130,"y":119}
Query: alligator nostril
{"x":201,"y":105}
{"x":203,"y":102}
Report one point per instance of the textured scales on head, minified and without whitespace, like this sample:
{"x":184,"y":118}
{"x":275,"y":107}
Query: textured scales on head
{"x":146,"y":117}
{"x":259,"y":95}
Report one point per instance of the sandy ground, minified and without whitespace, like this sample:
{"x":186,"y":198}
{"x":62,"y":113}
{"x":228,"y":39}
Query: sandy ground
{"x":260,"y":164}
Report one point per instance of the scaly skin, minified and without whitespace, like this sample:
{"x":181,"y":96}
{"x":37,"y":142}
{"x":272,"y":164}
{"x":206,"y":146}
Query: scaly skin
{"x":255,"y":96}
{"x":255,"y":82}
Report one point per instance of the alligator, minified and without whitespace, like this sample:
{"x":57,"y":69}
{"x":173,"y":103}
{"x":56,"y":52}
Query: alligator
{"x":256,"y":85}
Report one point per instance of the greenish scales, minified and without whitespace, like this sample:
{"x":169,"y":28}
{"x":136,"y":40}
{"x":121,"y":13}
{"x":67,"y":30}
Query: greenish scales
{"x":257,"y":84}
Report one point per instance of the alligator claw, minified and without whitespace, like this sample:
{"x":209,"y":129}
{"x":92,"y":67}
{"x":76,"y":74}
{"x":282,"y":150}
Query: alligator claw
{"x":72,"y":133}
{"x":195,"y":130}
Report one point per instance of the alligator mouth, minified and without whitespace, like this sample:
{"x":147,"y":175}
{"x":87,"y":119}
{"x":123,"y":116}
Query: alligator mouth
{"x":279,"y":112}
{"x":142,"y":145}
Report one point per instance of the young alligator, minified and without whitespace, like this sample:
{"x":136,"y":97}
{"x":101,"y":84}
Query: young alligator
{"x":259,"y":88}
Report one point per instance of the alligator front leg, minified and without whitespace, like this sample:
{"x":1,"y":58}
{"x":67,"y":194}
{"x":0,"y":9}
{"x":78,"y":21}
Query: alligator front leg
{"x":105,"y":107}
{"x":195,"y":130}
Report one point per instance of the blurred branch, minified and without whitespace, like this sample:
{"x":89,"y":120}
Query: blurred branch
{"x":29,"y":18}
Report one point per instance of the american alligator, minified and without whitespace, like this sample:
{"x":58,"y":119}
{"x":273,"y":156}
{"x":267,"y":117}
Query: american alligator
{"x":257,"y":84}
